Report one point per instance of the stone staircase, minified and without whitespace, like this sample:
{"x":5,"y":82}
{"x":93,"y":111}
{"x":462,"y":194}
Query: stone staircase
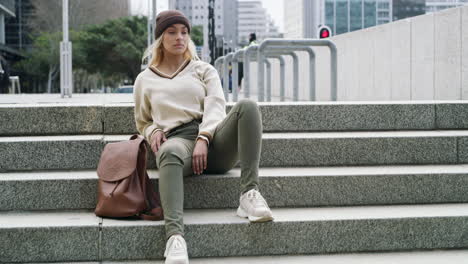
{"x":342,"y":178}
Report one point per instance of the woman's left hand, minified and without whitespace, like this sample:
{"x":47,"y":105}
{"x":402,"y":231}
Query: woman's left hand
{"x":199,"y":157}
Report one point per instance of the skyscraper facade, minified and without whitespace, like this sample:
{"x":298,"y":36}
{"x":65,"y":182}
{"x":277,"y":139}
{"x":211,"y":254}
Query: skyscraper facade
{"x":225,"y":12}
{"x":303,"y":17}
{"x":408,"y":8}
{"x":7,"y":9}
{"x":437,"y":5}
{"x":253,"y":18}
{"x":349,"y":15}
{"x":17,"y":30}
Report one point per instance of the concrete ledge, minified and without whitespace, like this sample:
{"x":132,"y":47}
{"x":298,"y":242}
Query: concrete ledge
{"x":452,"y":116}
{"x":51,"y":120}
{"x":412,"y":257}
{"x":302,"y":231}
{"x":118,"y":118}
{"x":322,"y":230}
{"x":282,"y":187}
{"x":52,"y":152}
{"x":278,"y":150}
{"x":52,"y":236}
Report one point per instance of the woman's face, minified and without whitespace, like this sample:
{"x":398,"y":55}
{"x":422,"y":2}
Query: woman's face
{"x":175,"y":39}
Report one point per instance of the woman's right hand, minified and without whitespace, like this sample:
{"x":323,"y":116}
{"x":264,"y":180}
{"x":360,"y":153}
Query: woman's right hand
{"x":157,"y":139}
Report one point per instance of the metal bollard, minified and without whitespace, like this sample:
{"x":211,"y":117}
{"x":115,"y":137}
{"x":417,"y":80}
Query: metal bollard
{"x":310,"y":51}
{"x":297,"y":42}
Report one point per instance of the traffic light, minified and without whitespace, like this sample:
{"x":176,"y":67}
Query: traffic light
{"x":324,"y":32}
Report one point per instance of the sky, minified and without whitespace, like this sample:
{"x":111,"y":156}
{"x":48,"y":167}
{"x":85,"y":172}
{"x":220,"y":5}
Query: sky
{"x":273,"y":7}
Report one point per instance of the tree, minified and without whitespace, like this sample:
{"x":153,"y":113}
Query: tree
{"x":47,"y":14}
{"x":197,"y":35}
{"x":107,"y":54}
{"x":42,"y":63}
{"x":115,"y":47}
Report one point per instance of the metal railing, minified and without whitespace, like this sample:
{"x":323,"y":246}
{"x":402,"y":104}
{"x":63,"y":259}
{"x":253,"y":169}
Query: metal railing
{"x":310,"y":51}
{"x":295,"y":43}
{"x":295,"y":73}
{"x":275,"y":48}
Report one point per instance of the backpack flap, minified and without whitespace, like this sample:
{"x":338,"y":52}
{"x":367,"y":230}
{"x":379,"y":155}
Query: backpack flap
{"x":118,"y":160}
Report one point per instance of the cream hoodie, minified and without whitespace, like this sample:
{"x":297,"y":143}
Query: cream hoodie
{"x":164,"y":102}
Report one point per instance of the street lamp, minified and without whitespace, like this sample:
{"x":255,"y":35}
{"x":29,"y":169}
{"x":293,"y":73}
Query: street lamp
{"x":66,"y":75}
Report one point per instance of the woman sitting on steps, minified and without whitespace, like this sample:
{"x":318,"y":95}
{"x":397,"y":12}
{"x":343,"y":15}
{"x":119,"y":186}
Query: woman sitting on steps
{"x":180,"y":110}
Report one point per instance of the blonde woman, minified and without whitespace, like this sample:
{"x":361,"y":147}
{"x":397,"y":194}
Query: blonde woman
{"x":180,"y":110}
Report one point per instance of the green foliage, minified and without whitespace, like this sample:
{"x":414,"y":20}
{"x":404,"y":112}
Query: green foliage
{"x":115,"y":48}
{"x":110,"y":52}
{"x":44,"y":58}
{"x":197,"y":35}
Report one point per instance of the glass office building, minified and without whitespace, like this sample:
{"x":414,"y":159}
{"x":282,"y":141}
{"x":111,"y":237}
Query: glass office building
{"x":348,"y":15}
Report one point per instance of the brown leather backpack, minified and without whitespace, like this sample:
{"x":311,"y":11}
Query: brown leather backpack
{"x":124,"y":188}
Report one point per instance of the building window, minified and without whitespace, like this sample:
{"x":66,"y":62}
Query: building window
{"x":196,"y":17}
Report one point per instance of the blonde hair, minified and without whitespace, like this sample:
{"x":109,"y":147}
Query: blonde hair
{"x":155,"y":52}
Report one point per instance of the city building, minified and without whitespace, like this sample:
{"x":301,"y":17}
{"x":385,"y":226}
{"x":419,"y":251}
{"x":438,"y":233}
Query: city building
{"x":7,"y":9}
{"x":35,"y":16}
{"x":225,"y":12}
{"x":17,"y":30}
{"x":437,"y":5}
{"x":253,"y":18}
{"x":345,"y":16}
{"x":303,"y":17}
{"x":408,"y":8}
{"x":293,"y":19}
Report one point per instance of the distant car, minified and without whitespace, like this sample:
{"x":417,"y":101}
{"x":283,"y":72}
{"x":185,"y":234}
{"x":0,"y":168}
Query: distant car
{"x":124,"y":89}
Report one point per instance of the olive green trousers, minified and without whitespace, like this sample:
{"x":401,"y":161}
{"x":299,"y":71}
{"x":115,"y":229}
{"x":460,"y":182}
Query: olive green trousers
{"x":237,"y":138}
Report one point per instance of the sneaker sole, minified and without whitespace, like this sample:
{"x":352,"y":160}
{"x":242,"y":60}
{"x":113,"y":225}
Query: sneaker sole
{"x":176,"y":261}
{"x":254,"y":219}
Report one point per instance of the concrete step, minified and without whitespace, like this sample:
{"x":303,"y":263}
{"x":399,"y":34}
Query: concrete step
{"x":458,"y":256}
{"x":282,"y":187}
{"x":81,"y":236}
{"x":278,"y":149}
{"x":101,"y":117}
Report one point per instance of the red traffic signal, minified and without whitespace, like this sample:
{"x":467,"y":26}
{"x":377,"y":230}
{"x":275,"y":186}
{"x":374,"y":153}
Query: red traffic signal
{"x":324,"y":32}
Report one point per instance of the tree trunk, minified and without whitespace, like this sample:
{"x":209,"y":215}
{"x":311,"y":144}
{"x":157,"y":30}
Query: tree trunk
{"x":49,"y":81}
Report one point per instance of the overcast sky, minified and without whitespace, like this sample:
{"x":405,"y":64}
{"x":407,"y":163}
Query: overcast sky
{"x":273,"y":7}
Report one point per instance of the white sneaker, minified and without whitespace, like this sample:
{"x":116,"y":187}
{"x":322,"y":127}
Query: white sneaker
{"x":176,"y":250}
{"x":253,"y":206}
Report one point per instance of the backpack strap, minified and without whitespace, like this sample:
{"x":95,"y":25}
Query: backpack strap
{"x":154,"y":215}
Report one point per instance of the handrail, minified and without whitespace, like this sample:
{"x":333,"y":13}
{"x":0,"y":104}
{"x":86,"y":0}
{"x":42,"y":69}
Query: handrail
{"x":227,"y":60}
{"x":297,"y":42}
{"x":310,"y":51}
{"x":282,"y":77}
{"x":295,"y":72}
